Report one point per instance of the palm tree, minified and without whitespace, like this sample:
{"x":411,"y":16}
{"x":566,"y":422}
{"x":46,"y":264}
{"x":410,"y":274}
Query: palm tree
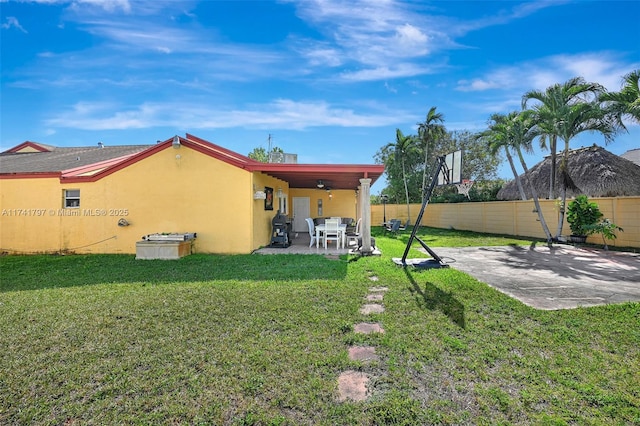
{"x":566,"y":110}
{"x":497,"y":137}
{"x":515,"y":131}
{"x":404,"y":146}
{"x":429,"y":132}
{"x":626,"y":102}
{"x":523,"y":132}
{"x":550,"y":111}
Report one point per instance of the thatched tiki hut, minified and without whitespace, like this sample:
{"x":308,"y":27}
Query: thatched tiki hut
{"x":594,"y":171}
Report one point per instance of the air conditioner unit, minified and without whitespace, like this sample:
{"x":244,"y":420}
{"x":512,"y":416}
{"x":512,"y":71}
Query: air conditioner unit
{"x":281,"y":157}
{"x":291,"y":158}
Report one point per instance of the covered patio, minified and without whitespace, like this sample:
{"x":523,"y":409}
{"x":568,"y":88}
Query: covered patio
{"x":300,"y":245}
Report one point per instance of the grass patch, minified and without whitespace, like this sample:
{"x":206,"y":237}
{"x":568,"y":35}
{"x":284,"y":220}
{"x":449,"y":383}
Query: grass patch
{"x":261,"y":340}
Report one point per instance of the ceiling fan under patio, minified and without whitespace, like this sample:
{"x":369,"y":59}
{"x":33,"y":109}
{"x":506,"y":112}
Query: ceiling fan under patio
{"x":321,"y":184}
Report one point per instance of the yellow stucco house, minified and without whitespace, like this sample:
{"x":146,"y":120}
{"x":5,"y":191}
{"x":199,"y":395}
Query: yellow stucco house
{"x":104,"y":199}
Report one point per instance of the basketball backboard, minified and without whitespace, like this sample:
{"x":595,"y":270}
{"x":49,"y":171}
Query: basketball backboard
{"x":453,"y":169}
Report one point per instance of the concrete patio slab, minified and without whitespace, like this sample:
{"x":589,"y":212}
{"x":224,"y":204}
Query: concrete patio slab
{"x":560,"y":277}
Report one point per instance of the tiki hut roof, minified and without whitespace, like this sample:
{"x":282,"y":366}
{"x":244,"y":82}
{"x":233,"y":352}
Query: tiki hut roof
{"x":594,"y":171}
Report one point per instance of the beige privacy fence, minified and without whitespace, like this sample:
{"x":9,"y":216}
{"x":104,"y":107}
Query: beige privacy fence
{"x":516,"y":217}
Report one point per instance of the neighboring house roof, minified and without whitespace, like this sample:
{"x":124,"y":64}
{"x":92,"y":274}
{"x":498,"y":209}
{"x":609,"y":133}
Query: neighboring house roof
{"x":29,"y":146}
{"x":87,"y":164}
{"x":593,"y":171}
{"x":632,"y":155}
{"x":58,"y":159}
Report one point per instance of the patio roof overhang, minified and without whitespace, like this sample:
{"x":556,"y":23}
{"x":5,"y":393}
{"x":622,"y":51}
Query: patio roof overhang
{"x":334,"y":176}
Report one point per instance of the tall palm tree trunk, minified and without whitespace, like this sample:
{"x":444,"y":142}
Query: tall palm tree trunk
{"x":552,"y":182}
{"x":406,"y":191}
{"x":564,"y":172}
{"x":534,"y":195}
{"x":523,"y":196}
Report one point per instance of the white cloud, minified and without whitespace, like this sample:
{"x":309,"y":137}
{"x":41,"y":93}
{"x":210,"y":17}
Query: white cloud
{"x":12,"y":22}
{"x":389,"y":34}
{"x":383,"y":73}
{"x":477,"y":84}
{"x":106,"y":5}
{"x":501,"y":89}
{"x":375,"y":35}
{"x":502,"y":17}
{"x":411,"y":40}
{"x":321,"y":55}
{"x":605,"y":68}
{"x":278,"y":114}
{"x":390,"y":88}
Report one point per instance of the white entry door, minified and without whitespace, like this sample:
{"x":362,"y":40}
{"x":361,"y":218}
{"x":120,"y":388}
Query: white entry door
{"x":301,"y":211}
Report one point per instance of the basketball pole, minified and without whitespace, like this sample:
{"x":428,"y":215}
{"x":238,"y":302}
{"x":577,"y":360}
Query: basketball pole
{"x":436,"y":262}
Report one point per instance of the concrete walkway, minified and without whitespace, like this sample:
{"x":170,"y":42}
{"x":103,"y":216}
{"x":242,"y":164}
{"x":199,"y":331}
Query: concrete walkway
{"x":558,"y":278}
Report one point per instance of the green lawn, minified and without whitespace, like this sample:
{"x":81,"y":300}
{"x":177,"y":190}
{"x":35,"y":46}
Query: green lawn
{"x":251,"y":339}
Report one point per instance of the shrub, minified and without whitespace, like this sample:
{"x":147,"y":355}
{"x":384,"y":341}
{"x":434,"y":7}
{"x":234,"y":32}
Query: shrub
{"x":581,"y":215}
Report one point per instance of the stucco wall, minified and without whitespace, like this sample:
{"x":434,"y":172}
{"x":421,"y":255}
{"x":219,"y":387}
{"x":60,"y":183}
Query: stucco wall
{"x":261,"y":218}
{"x":517,"y":217}
{"x":161,"y":193}
{"x":342,"y":202}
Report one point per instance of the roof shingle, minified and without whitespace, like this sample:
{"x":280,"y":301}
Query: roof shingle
{"x":59,"y":159}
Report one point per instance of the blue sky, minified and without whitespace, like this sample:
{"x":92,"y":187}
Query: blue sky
{"x":329,"y":80}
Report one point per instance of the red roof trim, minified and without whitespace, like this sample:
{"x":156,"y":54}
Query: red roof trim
{"x":217,"y":151}
{"x":128,"y":160}
{"x":90,"y":167}
{"x":28,"y":144}
{"x":287,"y":167}
{"x":222,"y":153}
{"x":204,"y":147}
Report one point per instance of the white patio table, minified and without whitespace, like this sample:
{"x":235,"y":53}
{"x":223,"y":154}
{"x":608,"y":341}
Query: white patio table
{"x":342,"y":230}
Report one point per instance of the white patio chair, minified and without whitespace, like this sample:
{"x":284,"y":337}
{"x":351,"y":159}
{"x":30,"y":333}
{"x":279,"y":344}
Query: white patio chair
{"x":331,"y":232}
{"x":312,"y":231}
{"x":353,"y":236}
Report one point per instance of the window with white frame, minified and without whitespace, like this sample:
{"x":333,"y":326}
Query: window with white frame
{"x":71,"y":198}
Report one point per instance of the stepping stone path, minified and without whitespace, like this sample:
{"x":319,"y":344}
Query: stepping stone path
{"x":368,"y":328}
{"x":363,"y":353}
{"x":373,"y":308}
{"x":352,"y":385}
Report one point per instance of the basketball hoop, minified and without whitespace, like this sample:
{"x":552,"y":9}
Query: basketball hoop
{"x":464,"y":187}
